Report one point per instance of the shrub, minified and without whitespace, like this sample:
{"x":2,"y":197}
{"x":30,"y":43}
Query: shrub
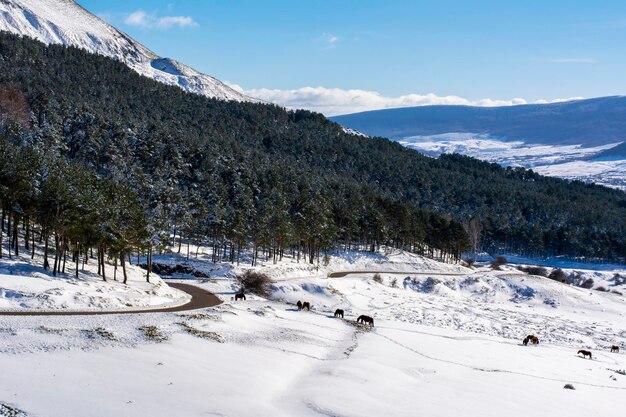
{"x":569,"y":386}
{"x":394,"y":283}
{"x":498,"y":262}
{"x":602,"y":289}
{"x":534,"y":270}
{"x":588,"y":283}
{"x":254,"y":282}
{"x":558,"y":275}
{"x":378,"y":278}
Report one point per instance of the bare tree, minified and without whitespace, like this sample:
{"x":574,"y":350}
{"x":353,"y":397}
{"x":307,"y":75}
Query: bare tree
{"x":474,"y":228}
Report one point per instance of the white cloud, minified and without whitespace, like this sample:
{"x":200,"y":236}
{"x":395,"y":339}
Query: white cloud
{"x":334,"y":101}
{"x":329,"y":40}
{"x":143,"y":19}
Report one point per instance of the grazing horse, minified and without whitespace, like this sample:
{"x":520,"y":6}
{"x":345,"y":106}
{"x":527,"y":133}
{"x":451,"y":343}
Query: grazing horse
{"x":614,"y":349}
{"x":365,"y":320}
{"x":585,"y":353}
{"x":339,"y":313}
{"x":240,"y":296}
{"x":306,"y":305}
{"x":532,"y":339}
{"x":299,"y":304}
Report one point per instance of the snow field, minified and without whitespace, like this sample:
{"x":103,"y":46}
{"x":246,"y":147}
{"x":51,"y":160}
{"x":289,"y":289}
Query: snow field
{"x":276,"y":361}
{"x":447,"y":342}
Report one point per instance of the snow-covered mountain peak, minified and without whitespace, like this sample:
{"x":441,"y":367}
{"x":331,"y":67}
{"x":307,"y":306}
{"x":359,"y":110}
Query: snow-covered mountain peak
{"x":67,"y":23}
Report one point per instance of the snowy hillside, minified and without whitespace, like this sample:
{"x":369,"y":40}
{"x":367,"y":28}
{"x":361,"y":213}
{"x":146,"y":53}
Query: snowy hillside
{"x":441,"y":333}
{"x":574,"y":162}
{"x":65,"y":22}
{"x":26,"y":286}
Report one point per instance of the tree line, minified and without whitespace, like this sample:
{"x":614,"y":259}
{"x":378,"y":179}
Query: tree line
{"x":249,"y":175}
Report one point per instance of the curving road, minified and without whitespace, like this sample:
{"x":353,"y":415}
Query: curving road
{"x":199,"y":299}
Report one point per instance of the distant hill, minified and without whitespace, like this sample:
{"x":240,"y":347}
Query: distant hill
{"x":591,"y":122}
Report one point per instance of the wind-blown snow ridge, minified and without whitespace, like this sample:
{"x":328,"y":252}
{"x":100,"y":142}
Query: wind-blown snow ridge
{"x":67,"y":23}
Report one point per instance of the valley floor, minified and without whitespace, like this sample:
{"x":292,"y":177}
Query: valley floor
{"x":446,"y":342}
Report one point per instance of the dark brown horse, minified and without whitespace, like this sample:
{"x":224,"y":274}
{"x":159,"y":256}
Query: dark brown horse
{"x":339,"y":313}
{"x":615,"y":349}
{"x":299,"y":304}
{"x":240,"y":296}
{"x":585,"y":353}
{"x":365,"y":320}
{"x":306,"y":305}
{"x":532,"y":339}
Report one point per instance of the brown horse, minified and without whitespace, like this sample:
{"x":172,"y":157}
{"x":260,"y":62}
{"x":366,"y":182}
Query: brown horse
{"x":240,"y":296}
{"x":532,"y":339}
{"x":299,"y":304}
{"x":614,"y":349}
{"x":339,"y":313}
{"x":306,"y":305}
{"x":585,"y":353}
{"x":365,"y":320}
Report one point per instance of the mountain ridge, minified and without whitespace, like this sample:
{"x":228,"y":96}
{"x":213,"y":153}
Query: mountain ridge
{"x":561,"y":123}
{"x":67,"y":23}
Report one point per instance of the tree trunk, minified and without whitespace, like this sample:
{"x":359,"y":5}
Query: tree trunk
{"x":15,"y":234}
{"x":56,"y":254}
{"x":123,"y":262}
{"x":32,"y":256}
{"x":46,"y":265}
{"x":27,"y":233}
{"x":101,"y":252}
{"x":149,"y":263}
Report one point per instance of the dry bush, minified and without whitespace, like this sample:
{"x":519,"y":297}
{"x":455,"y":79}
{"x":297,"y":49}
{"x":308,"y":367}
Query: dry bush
{"x":498,"y":262}
{"x":569,"y":386}
{"x":558,"y":275}
{"x":378,"y":278}
{"x":255,"y":282}
{"x":534,"y":270}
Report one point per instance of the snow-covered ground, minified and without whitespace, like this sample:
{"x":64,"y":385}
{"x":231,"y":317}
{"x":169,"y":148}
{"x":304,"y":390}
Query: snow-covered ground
{"x":446,"y":341}
{"x":573,"y":162}
{"x":25,"y":285}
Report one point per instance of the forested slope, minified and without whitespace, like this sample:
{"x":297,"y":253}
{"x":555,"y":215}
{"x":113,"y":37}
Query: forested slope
{"x":240,"y":173}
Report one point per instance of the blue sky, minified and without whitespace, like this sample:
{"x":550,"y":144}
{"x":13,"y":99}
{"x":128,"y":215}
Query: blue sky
{"x":338,"y":56}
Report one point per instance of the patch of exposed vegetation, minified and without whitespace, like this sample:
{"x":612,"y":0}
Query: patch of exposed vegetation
{"x":568,"y":386}
{"x":50,"y":330}
{"x":153,"y":334}
{"x":201,"y":333}
{"x":498,"y":262}
{"x":9,"y":411}
{"x":534,"y":270}
{"x":175,"y":269}
{"x":200,"y":316}
{"x":8,"y":330}
{"x":360,"y":328}
{"x":99,"y":332}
